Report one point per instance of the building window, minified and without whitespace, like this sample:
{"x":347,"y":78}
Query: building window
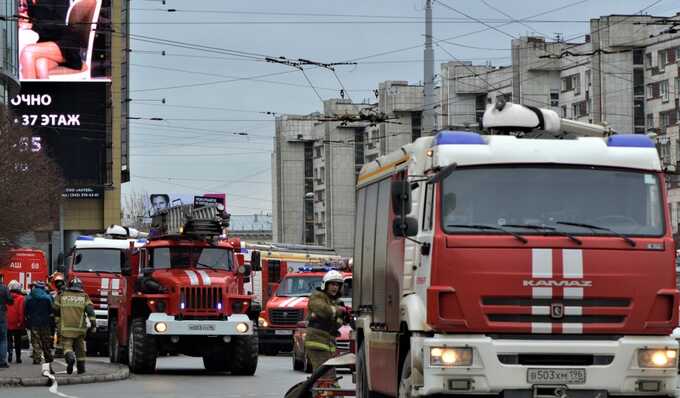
{"x":653,"y":91}
{"x":662,"y":58}
{"x":638,"y":56}
{"x":648,"y":60}
{"x":572,"y":82}
{"x":564,"y":111}
{"x":667,"y":119}
{"x":638,"y":81}
{"x":580,"y":109}
{"x":589,"y":79}
{"x":663,"y":90}
{"x":554,"y":98}
{"x":677,"y":86}
{"x":650,"y":121}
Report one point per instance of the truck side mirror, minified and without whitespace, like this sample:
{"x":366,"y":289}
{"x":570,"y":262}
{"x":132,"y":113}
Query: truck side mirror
{"x":405,"y":227}
{"x":125,"y":264}
{"x":240,"y":259}
{"x":255,"y":261}
{"x":401,"y":197}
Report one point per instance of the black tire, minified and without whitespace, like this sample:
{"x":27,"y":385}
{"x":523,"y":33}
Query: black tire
{"x":142,"y":348}
{"x":216,"y":361}
{"x":362,"y":375}
{"x":244,"y":355}
{"x":114,"y":349}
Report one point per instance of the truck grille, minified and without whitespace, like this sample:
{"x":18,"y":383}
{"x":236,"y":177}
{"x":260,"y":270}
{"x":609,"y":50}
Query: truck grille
{"x":288,"y":317}
{"x":201,"y":298}
{"x":528,"y":310}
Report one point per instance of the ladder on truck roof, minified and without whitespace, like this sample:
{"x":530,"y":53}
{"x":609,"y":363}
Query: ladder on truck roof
{"x":209,"y":220}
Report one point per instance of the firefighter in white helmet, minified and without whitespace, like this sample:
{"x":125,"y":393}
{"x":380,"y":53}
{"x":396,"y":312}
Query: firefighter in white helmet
{"x":326,"y":314}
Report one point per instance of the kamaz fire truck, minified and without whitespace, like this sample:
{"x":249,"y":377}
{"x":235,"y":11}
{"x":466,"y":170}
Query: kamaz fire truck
{"x":96,"y":260}
{"x":183,"y":293}
{"x":533,"y":259}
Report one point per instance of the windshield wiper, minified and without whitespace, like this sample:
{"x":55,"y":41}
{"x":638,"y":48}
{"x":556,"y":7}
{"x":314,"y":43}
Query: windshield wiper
{"x":489,"y":228}
{"x":597,"y":228}
{"x":546,"y":228}
{"x":207,"y":266}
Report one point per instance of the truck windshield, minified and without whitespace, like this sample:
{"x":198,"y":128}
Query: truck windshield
{"x":97,"y":260}
{"x":298,"y":286}
{"x":186,"y":257}
{"x":619,"y":202}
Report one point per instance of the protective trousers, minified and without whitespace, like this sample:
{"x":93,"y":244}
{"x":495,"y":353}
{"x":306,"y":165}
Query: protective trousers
{"x":75,"y":345}
{"x":317,"y":358}
{"x":41,"y":339}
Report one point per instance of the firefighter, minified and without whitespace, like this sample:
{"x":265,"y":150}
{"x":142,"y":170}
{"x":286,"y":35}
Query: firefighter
{"x":326,"y":316}
{"x":74,"y":315}
{"x":58,"y":284}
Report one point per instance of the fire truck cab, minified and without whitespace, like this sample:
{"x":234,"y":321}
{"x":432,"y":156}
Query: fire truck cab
{"x":506,"y":264}
{"x":25,"y":266}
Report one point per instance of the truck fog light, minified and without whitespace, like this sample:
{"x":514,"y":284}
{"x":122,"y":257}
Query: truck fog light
{"x":241,"y":327}
{"x":444,"y":356}
{"x":174,"y":339}
{"x":661,"y":358}
{"x":160,"y":327}
{"x":226,"y":339}
{"x":649,"y":385}
{"x":261,"y":322}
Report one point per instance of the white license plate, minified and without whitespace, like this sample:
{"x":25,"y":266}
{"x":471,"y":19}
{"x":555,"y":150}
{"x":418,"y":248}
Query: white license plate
{"x":556,"y":376}
{"x":283,"y":332}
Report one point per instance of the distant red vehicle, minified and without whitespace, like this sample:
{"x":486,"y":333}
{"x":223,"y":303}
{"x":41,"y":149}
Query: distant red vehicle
{"x":343,"y":344}
{"x":25,"y":266}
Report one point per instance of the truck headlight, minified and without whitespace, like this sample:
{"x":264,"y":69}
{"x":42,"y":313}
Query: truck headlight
{"x":657,"y":358}
{"x":261,"y":322}
{"x":445,"y":356}
{"x":160,"y":327}
{"x":241,"y":327}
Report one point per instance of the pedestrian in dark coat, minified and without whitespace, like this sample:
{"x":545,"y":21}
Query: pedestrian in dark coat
{"x":38,"y":313}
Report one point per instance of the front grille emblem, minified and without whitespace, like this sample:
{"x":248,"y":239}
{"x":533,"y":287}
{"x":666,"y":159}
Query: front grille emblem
{"x":557,"y":310}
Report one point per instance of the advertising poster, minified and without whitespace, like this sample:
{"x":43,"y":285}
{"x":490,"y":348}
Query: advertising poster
{"x":65,"y":73}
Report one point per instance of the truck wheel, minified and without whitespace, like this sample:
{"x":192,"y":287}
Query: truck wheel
{"x":142,"y":348}
{"x":244,"y":355}
{"x":114,"y":350}
{"x":406,"y":381}
{"x":362,"y":375}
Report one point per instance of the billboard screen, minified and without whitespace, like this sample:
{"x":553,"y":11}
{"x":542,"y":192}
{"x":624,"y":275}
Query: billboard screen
{"x":69,"y":122}
{"x":160,"y":201}
{"x":64,"y":40}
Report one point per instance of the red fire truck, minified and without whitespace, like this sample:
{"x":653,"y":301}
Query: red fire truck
{"x":183,"y":292}
{"x":96,"y":260}
{"x":501,"y":264}
{"x":25,"y":266}
{"x":288,"y":306}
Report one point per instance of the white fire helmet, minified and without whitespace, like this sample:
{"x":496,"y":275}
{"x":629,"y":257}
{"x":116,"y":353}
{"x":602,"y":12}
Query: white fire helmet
{"x":331,"y":276}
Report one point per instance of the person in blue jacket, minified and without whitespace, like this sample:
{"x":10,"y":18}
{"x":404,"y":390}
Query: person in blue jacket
{"x":38,"y":313}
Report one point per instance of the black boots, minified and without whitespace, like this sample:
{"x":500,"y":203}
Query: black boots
{"x":81,"y":367}
{"x":70,"y":361}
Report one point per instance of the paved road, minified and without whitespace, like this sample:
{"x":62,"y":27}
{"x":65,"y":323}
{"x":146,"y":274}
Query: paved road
{"x":182,"y":377}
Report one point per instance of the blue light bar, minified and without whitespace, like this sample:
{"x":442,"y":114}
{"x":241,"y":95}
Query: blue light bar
{"x":85,"y":237}
{"x":630,"y":141}
{"x":448,"y":137}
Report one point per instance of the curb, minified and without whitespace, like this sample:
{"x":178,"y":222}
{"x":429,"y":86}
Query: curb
{"x":120,"y":373}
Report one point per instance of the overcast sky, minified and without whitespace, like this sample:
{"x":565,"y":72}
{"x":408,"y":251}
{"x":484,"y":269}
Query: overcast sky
{"x":197,"y":147}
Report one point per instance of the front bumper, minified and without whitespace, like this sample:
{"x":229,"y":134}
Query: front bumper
{"x":194,"y":327}
{"x":488,"y":375}
{"x":102,"y":320}
{"x":275,"y":336}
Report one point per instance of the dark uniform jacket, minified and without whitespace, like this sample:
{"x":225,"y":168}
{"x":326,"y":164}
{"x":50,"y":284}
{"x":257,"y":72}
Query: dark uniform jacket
{"x":38,"y":309}
{"x":323,"y":321}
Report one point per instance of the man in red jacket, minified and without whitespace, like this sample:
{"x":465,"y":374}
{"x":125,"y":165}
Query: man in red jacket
{"x":15,"y":321}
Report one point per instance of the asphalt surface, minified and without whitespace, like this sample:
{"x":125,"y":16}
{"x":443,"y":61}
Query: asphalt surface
{"x":181,"y":377}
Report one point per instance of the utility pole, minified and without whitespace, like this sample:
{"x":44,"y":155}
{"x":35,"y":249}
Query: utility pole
{"x":428,"y":121}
